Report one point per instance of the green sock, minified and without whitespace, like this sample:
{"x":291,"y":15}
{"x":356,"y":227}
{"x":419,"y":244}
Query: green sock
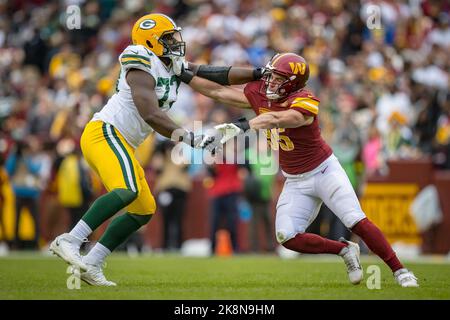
{"x":106,"y":206}
{"x":121,"y":228}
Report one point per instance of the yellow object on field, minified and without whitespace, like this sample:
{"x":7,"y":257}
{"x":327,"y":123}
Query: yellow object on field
{"x":387,"y":205}
{"x":26,"y":231}
{"x":70,"y":194}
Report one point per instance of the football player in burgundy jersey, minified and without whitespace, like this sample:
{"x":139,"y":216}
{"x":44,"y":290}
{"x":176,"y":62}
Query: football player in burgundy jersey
{"x":278,"y":96}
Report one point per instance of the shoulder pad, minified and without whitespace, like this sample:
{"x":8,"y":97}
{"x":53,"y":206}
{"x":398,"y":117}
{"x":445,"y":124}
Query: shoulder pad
{"x":305,"y":100}
{"x":136,"y":57}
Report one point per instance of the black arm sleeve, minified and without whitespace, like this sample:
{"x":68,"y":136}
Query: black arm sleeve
{"x":214,"y":73}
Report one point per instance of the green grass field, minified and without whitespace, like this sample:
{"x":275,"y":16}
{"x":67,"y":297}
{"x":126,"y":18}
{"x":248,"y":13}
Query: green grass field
{"x":32,"y":276}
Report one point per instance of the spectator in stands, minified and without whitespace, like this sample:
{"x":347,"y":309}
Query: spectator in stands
{"x":4,"y":248}
{"x":25,"y":172}
{"x":372,"y":153}
{"x":442,"y":138}
{"x":258,"y":185}
{"x":172,"y":186}
{"x":225,"y":193}
{"x":74,"y":184}
{"x":399,"y":139}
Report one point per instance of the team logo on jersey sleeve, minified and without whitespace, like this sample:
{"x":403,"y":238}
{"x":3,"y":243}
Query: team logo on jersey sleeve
{"x":147,"y":24}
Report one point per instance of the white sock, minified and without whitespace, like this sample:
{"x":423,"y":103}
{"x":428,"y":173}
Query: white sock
{"x":81,"y":230}
{"x":97,"y":255}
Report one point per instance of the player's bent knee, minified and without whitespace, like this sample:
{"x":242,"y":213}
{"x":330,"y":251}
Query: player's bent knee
{"x":350,"y":219}
{"x":285,"y":227}
{"x":141,"y":219}
{"x":357,"y":221}
{"x":126,"y":195}
{"x":283,"y":236}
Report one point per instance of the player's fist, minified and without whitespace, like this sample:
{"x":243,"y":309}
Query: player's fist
{"x":191,"y":139}
{"x":231,"y":130}
{"x":228,"y":131}
{"x":210,"y":143}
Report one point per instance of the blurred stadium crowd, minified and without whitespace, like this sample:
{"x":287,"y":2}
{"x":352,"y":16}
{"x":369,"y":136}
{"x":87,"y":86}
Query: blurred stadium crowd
{"x":384,"y":91}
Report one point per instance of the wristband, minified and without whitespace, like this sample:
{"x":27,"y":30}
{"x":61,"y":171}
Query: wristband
{"x":242,"y":123}
{"x":186,"y":76}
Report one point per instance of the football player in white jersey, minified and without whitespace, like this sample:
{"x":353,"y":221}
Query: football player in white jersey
{"x":146,"y":88}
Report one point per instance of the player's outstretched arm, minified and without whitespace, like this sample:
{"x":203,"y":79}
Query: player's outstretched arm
{"x":268,"y":120}
{"x":226,"y":75}
{"x":144,"y":96}
{"x":224,"y":94}
{"x":280,"y":119}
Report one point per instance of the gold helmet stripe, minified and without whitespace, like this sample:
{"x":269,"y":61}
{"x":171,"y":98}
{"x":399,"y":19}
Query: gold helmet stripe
{"x":277,"y":58}
{"x":281,"y":55}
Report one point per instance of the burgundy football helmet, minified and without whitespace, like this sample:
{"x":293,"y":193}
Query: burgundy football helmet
{"x":292,"y":67}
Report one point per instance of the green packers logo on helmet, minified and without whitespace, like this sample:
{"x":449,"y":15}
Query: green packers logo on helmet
{"x":147,"y":24}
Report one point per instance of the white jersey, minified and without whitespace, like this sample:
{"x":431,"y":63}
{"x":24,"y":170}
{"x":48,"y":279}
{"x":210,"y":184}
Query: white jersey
{"x":120,"y":110}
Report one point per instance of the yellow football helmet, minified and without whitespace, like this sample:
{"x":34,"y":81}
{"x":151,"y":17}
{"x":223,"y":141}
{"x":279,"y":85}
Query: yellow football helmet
{"x":159,"y":34}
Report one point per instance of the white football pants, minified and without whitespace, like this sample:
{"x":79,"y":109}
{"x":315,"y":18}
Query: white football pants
{"x":303,"y":194}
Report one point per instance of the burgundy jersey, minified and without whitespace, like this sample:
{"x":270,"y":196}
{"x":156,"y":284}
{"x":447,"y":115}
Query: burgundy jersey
{"x":301,"y":149}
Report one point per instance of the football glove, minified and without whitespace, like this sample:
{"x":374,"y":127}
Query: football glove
{"x":202,"y":141}
{"x":231,"y":130}
{"x":211,"y":143}
{"x":181,"y":69}
{"x":258,"y":73}
{"x":179,"y":64}
{"x":191,"y":139}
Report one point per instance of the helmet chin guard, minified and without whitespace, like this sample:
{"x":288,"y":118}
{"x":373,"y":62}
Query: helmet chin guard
{"x":272,"y":95}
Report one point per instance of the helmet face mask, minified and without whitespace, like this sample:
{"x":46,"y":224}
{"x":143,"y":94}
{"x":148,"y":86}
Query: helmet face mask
{"x":273,"y":84}
{"x":173,"y":44}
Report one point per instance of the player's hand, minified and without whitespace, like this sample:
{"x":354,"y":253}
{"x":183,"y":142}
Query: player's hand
{"x":181,"y":69}
{"x":258,"y":73}
{"x":179,"y":64}
{"x":228,"y":131}
{"x":191,"y":139}
{"x":201,"y":141}
{"x":231,"y":130}
{"x":211,"y":143}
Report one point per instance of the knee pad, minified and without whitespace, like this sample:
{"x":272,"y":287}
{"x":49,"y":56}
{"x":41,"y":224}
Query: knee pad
{"x":284,"y":228}
{"x":283,"y":236}
{"x":141,"y":220}
{"x":126,"y":195}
